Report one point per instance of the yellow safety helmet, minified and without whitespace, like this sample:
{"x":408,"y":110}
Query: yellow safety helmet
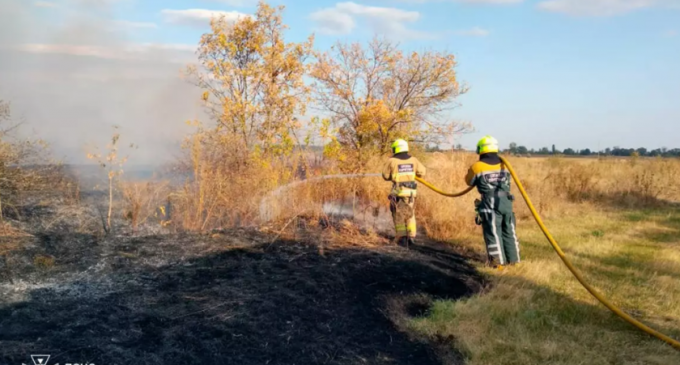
{"x":487,"y":144}
{"x":399,"y":146}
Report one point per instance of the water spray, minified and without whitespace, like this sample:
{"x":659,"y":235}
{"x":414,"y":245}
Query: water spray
{"x":265,"y":207}
{"x":641,"y":326}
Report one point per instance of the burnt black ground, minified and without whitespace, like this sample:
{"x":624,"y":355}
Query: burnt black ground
{"x":233,"y":303}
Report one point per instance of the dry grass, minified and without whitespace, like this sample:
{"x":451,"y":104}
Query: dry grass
{"x":554,"y":184}
{"x":616,"y":220}
{"x":29,"y":176}
{"x":537,"y":313}
{"x":143,"y":200}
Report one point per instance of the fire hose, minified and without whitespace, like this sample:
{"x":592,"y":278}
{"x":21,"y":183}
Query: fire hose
{"x":564,"y":259}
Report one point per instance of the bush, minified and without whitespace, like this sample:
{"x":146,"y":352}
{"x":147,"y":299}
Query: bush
{"x":29,"y":177}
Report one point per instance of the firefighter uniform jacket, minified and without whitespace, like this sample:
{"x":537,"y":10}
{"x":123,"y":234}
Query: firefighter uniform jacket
{"x":402,"y":170}
{"x":489,"y":175}
{"x":492,"y":180}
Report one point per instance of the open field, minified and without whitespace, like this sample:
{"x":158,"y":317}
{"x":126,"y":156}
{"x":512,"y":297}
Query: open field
{"x":623,"y":234}
{"x":538,"y":313}
{"x":252,"y":225}
{"x":314,"y":287}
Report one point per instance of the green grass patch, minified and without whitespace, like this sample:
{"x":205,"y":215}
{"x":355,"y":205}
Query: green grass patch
{"x":537,"y":313}
{"x":636,"y":216}
{"x":597,"y":233}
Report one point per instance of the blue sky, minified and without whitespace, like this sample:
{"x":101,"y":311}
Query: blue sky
{"x":576,"y":73}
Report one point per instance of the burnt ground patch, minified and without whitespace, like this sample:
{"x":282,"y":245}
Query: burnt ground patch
{"x":418,"y":308}
{"x":253,"y":304}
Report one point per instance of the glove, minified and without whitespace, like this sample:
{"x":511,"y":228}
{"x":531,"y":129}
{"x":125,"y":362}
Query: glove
{"x":478,"y":219}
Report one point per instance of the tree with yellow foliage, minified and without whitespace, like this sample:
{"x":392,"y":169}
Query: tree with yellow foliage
{"x":253,"y":82}
{"x":378,"y":93}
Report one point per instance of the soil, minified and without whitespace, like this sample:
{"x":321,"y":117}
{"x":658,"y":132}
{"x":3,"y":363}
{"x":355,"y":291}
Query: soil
{"x":233,"y":298}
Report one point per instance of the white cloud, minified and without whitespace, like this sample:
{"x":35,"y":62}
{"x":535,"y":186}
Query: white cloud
{"x":378,"y":12}
{"x":671,"y":33}
{"x":45,"y":4}
{"x":411,"y":1}
{"x":341,"y":19}
{"x":237,"y":3}
{"x":494,"y":2}
{"x":597,"y":7}
{"x":332,"y":21}
{"x":198,"y":17}
{"x":499,"y":2}
{"x":474,"y":32}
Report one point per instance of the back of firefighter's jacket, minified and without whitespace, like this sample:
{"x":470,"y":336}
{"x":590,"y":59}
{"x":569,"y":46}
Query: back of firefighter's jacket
{"x":402,"y":171}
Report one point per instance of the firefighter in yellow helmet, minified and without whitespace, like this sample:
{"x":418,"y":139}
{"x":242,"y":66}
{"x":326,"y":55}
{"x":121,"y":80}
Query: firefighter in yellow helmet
{"x":494,"y":209}
{"x":401,"y":169}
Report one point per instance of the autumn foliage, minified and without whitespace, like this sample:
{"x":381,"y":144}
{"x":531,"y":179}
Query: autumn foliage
{"x":253,"y":82}
{"x":269,"y":101}
{"x":258,"y":89}
{"x":376,"y":93}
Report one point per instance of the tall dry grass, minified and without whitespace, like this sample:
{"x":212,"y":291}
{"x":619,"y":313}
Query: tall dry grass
{"x":618,"y":222}
{"x":143,"y":200}
{"x":222,"y":190}
{"x":553,"y":184}
{"x":29,"y":175}
{"x":217,"y":194}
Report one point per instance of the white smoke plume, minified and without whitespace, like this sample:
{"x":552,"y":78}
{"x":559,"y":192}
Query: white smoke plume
{"x":71,"y":72}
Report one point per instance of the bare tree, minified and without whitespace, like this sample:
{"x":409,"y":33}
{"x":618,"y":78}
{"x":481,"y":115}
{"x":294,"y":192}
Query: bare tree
{"x":112,"y":163}
{"x":377,"y":93}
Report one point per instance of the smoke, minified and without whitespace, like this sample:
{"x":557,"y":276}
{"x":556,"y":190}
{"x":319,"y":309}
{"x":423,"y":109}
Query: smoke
{"x":72,"y":71}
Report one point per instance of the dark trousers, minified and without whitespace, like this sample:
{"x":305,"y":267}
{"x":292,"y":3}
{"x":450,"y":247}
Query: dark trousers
{"x":500,"y":235}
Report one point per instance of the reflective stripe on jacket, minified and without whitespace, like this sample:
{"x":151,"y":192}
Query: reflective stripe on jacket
{"x":489,"y":175}
{"x":402,"y":170}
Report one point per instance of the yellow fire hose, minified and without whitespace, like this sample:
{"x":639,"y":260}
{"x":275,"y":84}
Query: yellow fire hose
{"x":566,"y":261}
{"x":452,"y":195}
